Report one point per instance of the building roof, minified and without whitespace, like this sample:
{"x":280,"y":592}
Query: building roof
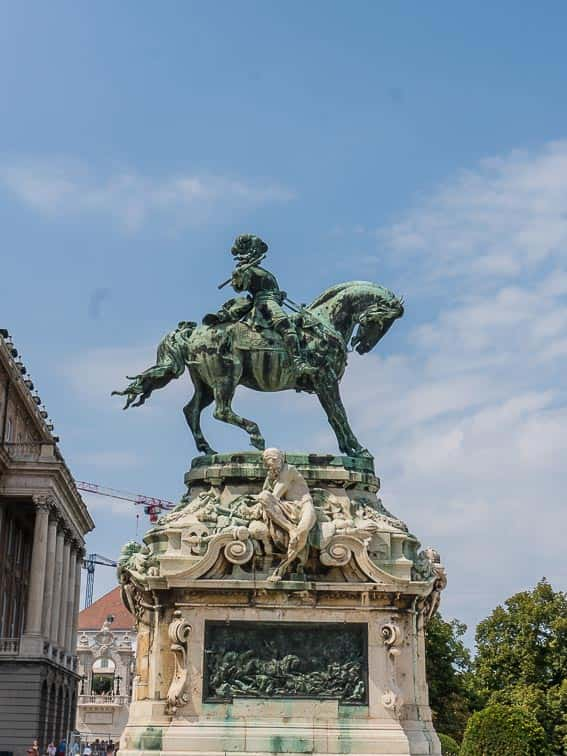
{"x":93,"y":616}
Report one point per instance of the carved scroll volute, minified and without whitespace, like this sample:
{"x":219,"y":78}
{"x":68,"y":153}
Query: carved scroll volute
{"x":392,"y":638}
{"x":178,"y":632}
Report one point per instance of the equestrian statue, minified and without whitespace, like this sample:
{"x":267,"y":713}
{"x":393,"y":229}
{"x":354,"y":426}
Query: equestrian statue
{"x":252,"y":341}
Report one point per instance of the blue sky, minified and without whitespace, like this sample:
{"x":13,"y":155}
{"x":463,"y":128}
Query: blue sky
{"x":422,"y":146}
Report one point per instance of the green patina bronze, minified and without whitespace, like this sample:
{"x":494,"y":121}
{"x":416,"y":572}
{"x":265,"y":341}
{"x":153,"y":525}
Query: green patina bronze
{"x":252,"y":341}
{"x":268,"y":660}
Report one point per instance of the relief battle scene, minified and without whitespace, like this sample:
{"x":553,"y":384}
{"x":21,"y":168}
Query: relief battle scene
{"x":267,"y":660}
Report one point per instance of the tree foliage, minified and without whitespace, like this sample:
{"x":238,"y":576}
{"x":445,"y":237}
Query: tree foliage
{"x":448,"y":664}
{"x":449,"y":746}
{"x":522,"y":659}
{"x":504,"y":731}
{"x":548,"y":706}
{"x":523,"y":642}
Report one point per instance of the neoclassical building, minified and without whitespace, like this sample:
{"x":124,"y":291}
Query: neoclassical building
{"x":105,"y":650}
{"x":43,"y":521}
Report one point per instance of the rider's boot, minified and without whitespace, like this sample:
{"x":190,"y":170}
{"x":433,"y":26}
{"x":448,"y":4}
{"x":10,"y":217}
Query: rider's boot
{"x":291,"y":341}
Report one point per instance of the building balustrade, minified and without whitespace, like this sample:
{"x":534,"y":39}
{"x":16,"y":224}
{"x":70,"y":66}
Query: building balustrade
{"x":101,"y":699}
{"x":12,"y":647}
{"x":9,"y":646}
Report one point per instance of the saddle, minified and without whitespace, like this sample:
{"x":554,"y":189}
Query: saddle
{"x":244,"y":336}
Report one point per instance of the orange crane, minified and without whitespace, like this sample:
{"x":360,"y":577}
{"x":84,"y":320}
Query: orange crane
{"x":152,"y":506}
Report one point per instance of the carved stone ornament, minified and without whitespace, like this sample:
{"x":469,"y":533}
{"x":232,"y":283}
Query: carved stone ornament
{"x":392,"y":637}
{"x":430,"y":562}
{"x":178,"y":632}
{"x":279,"y":525}
{"x":43,"y":501}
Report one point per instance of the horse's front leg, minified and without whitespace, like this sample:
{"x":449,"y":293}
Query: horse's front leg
{"x":224,"y":389}
{"x":331,"y":401}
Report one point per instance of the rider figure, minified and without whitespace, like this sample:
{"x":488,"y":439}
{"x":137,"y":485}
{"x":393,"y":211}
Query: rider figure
{"x":265,"y":297}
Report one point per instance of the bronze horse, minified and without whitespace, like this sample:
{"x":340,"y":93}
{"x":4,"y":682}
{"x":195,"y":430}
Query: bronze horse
{"x":220,"y":357}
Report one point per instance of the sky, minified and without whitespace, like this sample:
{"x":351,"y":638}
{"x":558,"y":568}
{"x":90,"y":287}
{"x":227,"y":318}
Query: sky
{"x":422,"y":146}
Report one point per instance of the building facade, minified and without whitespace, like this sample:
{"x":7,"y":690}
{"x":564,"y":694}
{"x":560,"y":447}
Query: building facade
{"x":105,"y":651}
{"x":43,"y":521}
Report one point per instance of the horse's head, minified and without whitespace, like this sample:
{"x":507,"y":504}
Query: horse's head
{"x":375,"y":321}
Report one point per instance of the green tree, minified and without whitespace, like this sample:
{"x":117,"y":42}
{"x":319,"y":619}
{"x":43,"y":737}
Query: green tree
{"x":522,"y":659}
{"x":523,"y":642}
{"x":500,"y":730}
{"x":448,"y":664}
{"x":449,"y":746}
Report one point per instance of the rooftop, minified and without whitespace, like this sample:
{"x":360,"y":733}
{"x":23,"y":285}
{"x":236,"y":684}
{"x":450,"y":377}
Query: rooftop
{"x":109,"y":604}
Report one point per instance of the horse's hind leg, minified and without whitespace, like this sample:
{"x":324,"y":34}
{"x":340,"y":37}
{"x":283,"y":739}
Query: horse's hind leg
{"x":202,"y":397}
{"x":224,"y":392}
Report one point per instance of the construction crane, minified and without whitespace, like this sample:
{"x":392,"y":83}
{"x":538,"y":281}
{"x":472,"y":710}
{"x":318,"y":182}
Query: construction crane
{"x":89,"y":565}
{"x":152,"y":506}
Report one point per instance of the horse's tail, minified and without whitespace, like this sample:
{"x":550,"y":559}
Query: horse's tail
{"x":170,"y":363}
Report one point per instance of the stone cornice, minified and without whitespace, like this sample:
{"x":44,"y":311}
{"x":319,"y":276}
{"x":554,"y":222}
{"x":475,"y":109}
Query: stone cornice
{"x":55,"y":474}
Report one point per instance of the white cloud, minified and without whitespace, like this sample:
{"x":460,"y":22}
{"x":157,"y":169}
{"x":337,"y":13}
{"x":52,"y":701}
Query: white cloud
{"x":499,"y":221}
{"x":61,"y":188}
{"x":469,"y":422}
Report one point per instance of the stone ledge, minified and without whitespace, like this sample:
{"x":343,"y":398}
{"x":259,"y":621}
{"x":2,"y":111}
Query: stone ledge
{"x":349,"y":472}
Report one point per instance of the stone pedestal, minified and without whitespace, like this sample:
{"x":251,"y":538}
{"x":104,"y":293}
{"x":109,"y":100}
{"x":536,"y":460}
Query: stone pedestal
{"x":329,"y":659}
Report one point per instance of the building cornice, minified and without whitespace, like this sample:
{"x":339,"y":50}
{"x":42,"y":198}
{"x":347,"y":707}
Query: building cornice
{"x":45,"y":461}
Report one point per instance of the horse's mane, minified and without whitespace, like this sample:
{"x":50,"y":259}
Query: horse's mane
{"x":334,"y":290}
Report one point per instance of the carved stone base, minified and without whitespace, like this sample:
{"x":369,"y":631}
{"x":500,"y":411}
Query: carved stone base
{"x":327,"y":661}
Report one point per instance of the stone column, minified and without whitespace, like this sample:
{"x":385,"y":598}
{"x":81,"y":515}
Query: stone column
{"x":77,"y":604}
{"x":32,"y":642}
{"x":57,"y":585}
{"x":49,"y":575}
{"x":64,"y":590}
{"x":71,"y":598}
{"x":1,"y":522}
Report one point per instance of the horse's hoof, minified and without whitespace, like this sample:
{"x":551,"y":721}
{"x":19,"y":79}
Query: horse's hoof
{"x":206,"y":450}
{"x":363,"y":454}
{"x":274,"y":579}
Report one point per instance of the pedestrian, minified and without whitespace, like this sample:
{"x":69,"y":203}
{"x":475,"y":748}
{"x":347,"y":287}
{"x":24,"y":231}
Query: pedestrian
{"x":33,"y":750}
{"x":87,"y":750}
{"x":61,"y":748}
{"x":110,"y":748}
{"x":51,"y":749}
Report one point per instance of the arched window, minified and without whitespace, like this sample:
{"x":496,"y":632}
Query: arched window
{"x":9,"y":430}
{"x":103,"y":671}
